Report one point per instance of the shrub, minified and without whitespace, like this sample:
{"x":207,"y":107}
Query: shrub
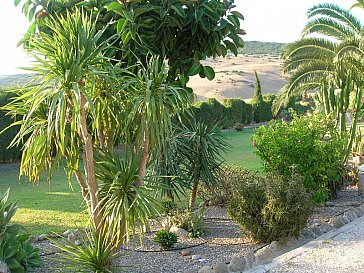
{"x":96,"y":253}
{"x":262,"y":109}
{"x":271,"y":208}
{"x":309,"y":146}
{"x":220,"y":194}
{"x":209,"y":112}
{"x":165,"y":239}
{"x":15,"y":250}
{"x":236,"y":111}
{"x":13,"y":153}
{"x":191,"y":221}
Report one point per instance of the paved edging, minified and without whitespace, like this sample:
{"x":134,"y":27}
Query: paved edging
{"x":284,"y":258}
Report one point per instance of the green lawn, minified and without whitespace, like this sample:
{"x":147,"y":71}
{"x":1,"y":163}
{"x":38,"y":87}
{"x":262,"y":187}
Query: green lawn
{"x":241,"y":152}
{"x":44,"y":207}
{"x":54,"y":207}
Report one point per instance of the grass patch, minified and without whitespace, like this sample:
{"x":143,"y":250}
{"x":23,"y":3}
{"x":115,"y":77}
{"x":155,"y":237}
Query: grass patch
{"x":53,"y":207}
{"x":44,"y":207}
{"x":241,"y":152}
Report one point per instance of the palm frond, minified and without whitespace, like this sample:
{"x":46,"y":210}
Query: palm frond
{"x":329,"y":27}
{"x":338,"y":13}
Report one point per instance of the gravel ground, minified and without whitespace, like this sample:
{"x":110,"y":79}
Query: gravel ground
{"x":343,"y":253}
{"x":223,"y":241}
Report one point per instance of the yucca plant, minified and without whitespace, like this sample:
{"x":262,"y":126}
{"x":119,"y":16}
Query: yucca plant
{"x":152,"y":103}
{"x":56,"y":108}
{"x":201,"y":147}
{"x":126,"y":207}
{"x":95,"y":254}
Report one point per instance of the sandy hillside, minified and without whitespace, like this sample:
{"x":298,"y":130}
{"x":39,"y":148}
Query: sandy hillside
{"x":235,"y":77}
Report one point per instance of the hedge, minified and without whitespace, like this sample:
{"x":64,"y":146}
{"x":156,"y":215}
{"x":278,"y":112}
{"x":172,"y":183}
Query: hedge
{"x":14,"y":153}
{"x":234,"y":111}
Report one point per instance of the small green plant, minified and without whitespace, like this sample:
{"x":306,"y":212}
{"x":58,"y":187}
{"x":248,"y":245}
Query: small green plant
{"x":169,"y":206}
{"x":191,"y":221}
{"x":272,"y":207}
{"x":96,"y":253}
{"x":15,"y":250}
{"x":165,"y":239}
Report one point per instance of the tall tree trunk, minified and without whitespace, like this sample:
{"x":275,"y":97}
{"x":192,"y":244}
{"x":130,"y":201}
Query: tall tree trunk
{"x":90,"y":168}
{"x":145,"y":158}
{"x":354,"y":124}
{"x":193,"y":194}
{"x":84,"y":190}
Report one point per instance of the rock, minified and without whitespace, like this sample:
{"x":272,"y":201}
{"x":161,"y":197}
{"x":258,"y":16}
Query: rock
{"x":264,"y":254}
{"x":336,"y":222}
{"x":206,"y":269}
{"x":77,"y":242}
{"x":32,"y":239}
{"x":330,"y":204}
{"x":196,"y":257}
{"x":301,"y":239}
{"x":316,"y":230}
{"x":291,"y":241}
{"x":188,"y":257}
{"x":350,"y":215}
{"x":4,"y":268}
{"x":71,"y":237}
{"x":220,"y":267}
{"x":42,"y":237}
{"x":189,"y":271}
{"x":358,"y":212}
{"x":203,"y":260}
{"x":361,"y":207}
{"x":249,"y":259}
{"x":66,"y":233}
{"x":308,"y":234}
{"x":185,"y":252}
{"x":237,"y":263}
{"x":355,"y":203}
{"x":179,"y":231}
{"x":326,"y":227}
{"x":276,"y":247}
{"x":345,"y":219}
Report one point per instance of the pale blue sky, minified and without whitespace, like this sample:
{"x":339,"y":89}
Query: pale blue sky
{"x":265,"y":20}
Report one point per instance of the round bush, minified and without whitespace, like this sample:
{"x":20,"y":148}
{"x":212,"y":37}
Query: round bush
{"x":271,"y":208}
{"x":165,"y":239}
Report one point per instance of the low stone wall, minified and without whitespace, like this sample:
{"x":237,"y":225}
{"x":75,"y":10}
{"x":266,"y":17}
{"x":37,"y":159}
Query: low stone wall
{"x":240,"y":263}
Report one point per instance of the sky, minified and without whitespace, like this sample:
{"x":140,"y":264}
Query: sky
{"x":265,"y":20}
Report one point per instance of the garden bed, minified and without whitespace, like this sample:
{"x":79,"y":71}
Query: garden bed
{"x":224,"y":240}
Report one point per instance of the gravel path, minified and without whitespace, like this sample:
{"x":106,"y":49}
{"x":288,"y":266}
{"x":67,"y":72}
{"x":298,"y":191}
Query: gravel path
{"x":223,"y":241}
{"x":339,"y":254}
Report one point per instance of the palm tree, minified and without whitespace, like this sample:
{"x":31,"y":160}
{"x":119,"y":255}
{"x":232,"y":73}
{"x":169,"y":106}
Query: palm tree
{"x":326,"y":59}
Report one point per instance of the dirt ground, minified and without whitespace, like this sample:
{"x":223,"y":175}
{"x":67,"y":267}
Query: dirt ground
{"x":235,"y":77}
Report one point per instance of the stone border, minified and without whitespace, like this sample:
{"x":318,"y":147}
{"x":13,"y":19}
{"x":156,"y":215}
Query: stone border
{"x":253,"y":261}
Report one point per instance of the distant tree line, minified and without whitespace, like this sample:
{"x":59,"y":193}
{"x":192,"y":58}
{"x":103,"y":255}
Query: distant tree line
{"x":255,"y":47}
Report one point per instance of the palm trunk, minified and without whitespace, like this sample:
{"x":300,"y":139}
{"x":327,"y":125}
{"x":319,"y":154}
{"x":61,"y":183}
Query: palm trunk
{"x":193,"y":194}
{"x":90,"y":168}
{"x":145,"y":158}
